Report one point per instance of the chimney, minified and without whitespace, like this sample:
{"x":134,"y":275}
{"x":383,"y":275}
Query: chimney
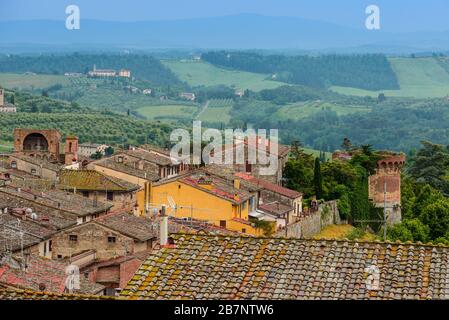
{"x":237,"y":183}
{"x":163,"y":234}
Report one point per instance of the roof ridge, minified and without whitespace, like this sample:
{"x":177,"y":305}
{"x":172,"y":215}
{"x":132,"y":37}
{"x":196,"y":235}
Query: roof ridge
{"x":388,"y":242}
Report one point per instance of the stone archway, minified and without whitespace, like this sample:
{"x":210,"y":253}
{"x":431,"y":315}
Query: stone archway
{"x":35,"y":142}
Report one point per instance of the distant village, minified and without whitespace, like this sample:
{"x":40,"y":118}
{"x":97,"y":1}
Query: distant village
{"x":119,"y":216}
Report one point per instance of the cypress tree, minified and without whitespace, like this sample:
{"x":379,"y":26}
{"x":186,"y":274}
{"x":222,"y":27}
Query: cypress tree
{"x":318,"y":179}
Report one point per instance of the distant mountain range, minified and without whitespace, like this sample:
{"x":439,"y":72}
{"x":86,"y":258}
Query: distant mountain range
{"x":244,"y":31}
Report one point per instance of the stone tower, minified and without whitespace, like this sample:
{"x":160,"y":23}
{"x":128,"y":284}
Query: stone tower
{"x":2,"y":99}
{"x":388,"y":178}
{"x":39,"y":143}
{"x":71,"y":150}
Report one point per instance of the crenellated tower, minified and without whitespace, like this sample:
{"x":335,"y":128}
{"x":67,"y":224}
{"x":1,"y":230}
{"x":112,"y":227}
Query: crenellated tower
{"x":385,"y":185}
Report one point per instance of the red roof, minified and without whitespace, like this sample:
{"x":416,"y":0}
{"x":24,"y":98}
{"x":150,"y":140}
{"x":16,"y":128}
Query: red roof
{"x":39,"y":271}
{"x":269,"y":185}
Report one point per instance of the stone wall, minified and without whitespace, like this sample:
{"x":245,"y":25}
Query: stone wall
{"x":311,"y":224}
{"x":91,"y":237}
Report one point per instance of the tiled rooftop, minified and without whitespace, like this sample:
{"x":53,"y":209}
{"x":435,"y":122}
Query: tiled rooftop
{"x":53,"y":217}
{"x":276,"y":208}
{"x":93,"y":180}
{"x":139,"y":228}
{"x":218,"y":267}
{"x":128,"y":169}
{"x":40,"y":162}
{"x":150,"y":157}
{"x":58,"y":199}
{"x":219,"y":186}
{"x":33,"y":232}
{"x":229,"y":174}
{"x":41,"y":271}
{"x":10,"y":294}
{"x":269,"y":185}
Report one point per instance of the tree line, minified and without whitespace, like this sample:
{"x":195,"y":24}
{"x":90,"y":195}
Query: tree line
{"x":364,"y":71}
{"x":142,"y":66}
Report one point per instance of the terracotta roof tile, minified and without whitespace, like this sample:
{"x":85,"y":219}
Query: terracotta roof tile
{"x":269,"y":185}
{"x":225,"y":267}
{"x":10,"y":294}
{"x":93,"y":180}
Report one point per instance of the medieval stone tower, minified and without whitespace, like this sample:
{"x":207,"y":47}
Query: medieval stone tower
{"x":2,"y":99}
{"x":71,"y":150}
{"x":385,"y":186}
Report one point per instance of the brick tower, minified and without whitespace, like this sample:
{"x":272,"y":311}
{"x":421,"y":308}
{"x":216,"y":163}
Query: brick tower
{"x":388,"y":178}
{"x":71,"y":150}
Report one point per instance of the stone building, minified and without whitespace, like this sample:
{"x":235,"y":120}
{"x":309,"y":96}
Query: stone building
{"x":281,"y":155}
{"x":124,"y":73}
{"x":6,"y":107}
{"x":113,"y":235}
{"x":100,"y":187}
{"x":385,"y":185}
{"x":45,"y":145}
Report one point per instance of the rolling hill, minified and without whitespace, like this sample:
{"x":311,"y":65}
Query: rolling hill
{"x":418,"y":78}
{"x":199,"y":73}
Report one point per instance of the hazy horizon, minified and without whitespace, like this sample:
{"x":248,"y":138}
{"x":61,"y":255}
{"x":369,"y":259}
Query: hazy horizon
{"x":397,"y":16}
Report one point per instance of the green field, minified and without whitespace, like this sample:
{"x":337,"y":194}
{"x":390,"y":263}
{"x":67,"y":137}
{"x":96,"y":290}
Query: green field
{"x":300,"y":110}
{"x":25,"y":81}
{"x":218,"y":114}
{"x":419,"y":78}
{"x":168,"y":112}
{"x":198,"y":73}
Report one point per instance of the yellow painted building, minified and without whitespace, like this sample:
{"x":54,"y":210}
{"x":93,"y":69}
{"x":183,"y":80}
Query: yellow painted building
{"x":207,"y":197}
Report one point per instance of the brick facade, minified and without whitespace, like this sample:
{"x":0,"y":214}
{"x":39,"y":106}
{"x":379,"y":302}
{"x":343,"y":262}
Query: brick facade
{"x":45,"y":143}
{"x":388,"y":174}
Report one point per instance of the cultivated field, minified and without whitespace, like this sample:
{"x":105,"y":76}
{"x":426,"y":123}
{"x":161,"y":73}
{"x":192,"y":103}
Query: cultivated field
{"x":419,"y":78}
{"x":168,"y":112}
{"x":198,"y":73}
{"x":300,"y":110}
{"x":30,"y":81}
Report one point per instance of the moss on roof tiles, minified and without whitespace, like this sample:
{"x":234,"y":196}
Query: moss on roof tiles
{"x":93,"y":180}
{"x":292,"y":269}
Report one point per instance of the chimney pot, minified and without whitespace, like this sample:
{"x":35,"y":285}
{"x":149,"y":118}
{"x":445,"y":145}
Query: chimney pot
{"x":163,"y":234}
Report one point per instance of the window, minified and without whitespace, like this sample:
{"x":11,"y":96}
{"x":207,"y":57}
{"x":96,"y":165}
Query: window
{"x":111,"y":239}
{"x":243,"y":230}
{"x":248,"y":167}
{"x":14,"y":164}
{"x":85,"y":194}
{"x":73,"y":237}
{"x":110,"y":195}
{"x":244,"y":205}
{"x":59,"y":256}
{"x":120,"y":159}
{"x":251,"y":203}
{"x":33,"y":171}
{"x":49,"y":246}
{"x":223,"y":223}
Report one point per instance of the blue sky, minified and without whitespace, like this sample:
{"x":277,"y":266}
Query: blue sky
{"x":396,"y":15}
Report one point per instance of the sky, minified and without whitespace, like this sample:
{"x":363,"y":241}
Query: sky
{"x":396,"y":15}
